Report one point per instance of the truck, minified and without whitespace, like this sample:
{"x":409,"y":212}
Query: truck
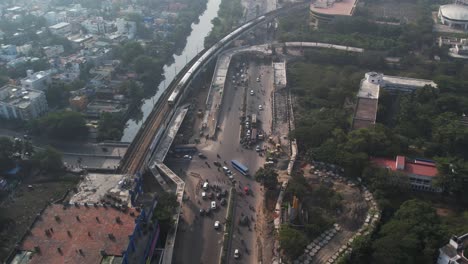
{"x":253,"y":138}
{"x":254,"y":120}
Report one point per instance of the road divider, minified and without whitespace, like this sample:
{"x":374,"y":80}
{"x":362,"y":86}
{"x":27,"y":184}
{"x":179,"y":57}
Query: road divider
{"x":228,"y":227}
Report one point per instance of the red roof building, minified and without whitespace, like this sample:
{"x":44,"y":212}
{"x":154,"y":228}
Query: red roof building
{"x":421,"y":172}
{"x":79,"y":234}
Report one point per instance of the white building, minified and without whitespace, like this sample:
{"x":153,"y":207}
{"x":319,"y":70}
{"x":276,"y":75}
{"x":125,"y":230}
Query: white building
{"x":454,"y":15}
{"x":53,"y":51}
{"x":452,"y":253}
{"x":365,"y":113}
{"x":62,"y":28}
{"x":38,"y":80}
{"x":53,"y":18}
{"x":25,"y":49}
{"x":125,"y":27}
{"x":24,"y":104}
{"x":96,"y":26}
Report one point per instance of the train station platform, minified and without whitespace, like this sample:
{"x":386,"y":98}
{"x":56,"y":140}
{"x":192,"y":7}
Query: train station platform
{"x":160,"y":171}
{"x":170,"y":134}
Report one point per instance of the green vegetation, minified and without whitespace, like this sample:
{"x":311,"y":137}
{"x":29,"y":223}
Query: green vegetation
{"x":66,"y":125}
{"x":6,"y":153}
{"x":229,"y":14}
{"x":358,"y":31}
{"x":413,"y":235}
{"x":318,"y":211}
{"x":426,"y":123}
{"x":268,"y":177}
{"x":111,"y":126}
{"x":59,"y":92}
{"x":48,"y":160}
{"x":164,"y":211}
{"x":292,"y":241}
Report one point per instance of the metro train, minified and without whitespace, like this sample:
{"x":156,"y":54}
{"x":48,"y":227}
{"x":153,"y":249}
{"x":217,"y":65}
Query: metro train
{"x":212,"y":51}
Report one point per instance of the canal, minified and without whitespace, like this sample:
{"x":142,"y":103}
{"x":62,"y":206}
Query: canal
{"x":192,"y":47}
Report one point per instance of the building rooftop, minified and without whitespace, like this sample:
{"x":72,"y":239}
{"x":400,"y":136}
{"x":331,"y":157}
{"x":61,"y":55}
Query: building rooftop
{"x":96,"y":188}
{"x":369,"y":90}
{"x":455,"y":12}
{"x":17,"y":96}
{"x":397,"y":80}
{"x":279,"y":73}
{"x":454,"y":250}
{"x":37,"y":76}
{"x":59,"y":25}
{"x":344,"y":7}
{"x":78,"y":234}
{"x":416,"y":167}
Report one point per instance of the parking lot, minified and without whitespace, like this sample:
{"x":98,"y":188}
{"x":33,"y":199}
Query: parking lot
{"x":198,"y":241}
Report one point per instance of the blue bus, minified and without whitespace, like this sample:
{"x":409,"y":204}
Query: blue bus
{"x":240,"y":167}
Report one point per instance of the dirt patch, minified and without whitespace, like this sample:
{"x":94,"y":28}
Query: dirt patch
{"x":19,"y":209}
{"x":444,"y":211}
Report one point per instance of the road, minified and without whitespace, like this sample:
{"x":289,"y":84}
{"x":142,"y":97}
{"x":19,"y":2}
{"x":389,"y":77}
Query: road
{"x":198,"y":241}
{"x":77,"y":153}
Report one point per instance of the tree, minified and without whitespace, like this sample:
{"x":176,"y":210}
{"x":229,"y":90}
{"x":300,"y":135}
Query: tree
{"x":130,"y":51}
{"x":412,"y":236}
{"x":48,"y":160}
{"x":453,"y":177}
{"x":292,"y":241}
{"x":63,"y":125}
{"x":164,"y":211}
{"x":111,"y":126}
{"x":57,"y":95}
{"x":6,"y":152}
{"x":268,"y":177}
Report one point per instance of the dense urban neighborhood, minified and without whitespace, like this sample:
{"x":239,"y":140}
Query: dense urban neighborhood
{"x":233,"y":131}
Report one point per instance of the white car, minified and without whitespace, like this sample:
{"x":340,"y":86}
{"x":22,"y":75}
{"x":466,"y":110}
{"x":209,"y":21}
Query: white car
{"x":187,"y":157}
{"x":203,"y":195}
{"x":236,"y":253}
{"x":258,"y":79}
{"x":260,"y":107}
{"x":216,"y":224}
{"x":213,"y":205}
{"x":252,"y":92}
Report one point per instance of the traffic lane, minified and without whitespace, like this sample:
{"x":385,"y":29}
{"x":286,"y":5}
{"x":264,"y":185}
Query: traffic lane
{"x":267,"y":87}
{"x":245,"y":202}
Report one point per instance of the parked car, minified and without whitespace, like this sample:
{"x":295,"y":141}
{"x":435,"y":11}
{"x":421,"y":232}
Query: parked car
{"x":202,"y":211}
{"x":217,"y":224}
{"x":213,"y":205}
{"x":187,"y":157}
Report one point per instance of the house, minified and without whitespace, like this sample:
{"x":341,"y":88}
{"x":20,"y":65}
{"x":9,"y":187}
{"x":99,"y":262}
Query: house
{"x":421,"y":172}
{"x":62,"y":28}
{"x":20,"y":103}
{"x":452,"y":253}
{"x":37,"y":80}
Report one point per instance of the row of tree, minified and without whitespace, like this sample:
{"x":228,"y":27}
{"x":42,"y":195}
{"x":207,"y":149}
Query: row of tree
{"x":20,"y":152}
